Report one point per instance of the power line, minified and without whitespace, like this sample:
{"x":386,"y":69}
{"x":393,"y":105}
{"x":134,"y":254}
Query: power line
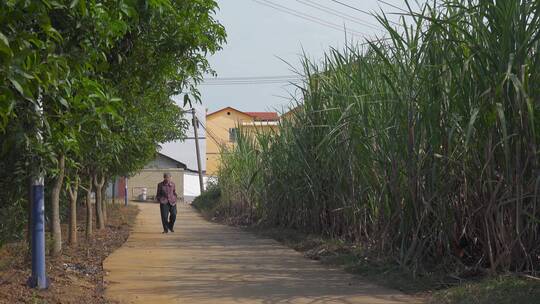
{"x":210,"y":133}
{"x":248,"y":83}
{"x":301,"y":15}
{"x":253,"y":77}
{"x":351,"y":7}
{"x":257,"y":77}
{"x":337,"y":13}
{"x":394,"y":6}
{"x":252,"y":80}
{"x":360,"y":10}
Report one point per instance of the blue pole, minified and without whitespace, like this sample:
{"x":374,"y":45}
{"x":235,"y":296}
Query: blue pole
{"x":126,"y":191}
{"x":39,"y":278}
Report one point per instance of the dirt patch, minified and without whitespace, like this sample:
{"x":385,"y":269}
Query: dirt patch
{"x":77,"y":275}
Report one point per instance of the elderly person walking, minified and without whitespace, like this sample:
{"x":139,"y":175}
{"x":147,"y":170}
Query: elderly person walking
{"x":166,"y":196}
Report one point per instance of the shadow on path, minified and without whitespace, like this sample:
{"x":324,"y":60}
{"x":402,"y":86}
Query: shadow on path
{"x":204,"y":262}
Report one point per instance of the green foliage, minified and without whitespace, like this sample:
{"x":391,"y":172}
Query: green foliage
{"x":13,"y":221}
{"x":421,"y":146}
{"x":209,"y":199}
{"x":500,"y":290}
{"x":93,"y":81}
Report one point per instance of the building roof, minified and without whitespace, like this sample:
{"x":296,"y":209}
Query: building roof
{"x":264,"y":116}
{"x":229,"y":108}
{"x":257,"y":116}
{"x":179,"y":164}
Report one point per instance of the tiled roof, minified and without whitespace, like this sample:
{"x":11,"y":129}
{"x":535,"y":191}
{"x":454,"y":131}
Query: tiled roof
{"x":264,"y":116}
{"x":230,"y":108}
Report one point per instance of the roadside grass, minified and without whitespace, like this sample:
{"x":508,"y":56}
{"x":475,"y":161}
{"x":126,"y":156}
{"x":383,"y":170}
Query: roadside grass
{"x":508,"y":289}
{"x":207,"y":202}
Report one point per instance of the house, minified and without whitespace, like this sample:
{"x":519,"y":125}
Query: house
{"x":146,"y":180}
{"x":222,"y":128}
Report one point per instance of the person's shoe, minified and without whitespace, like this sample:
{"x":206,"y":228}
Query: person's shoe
{"x":172,"y":230}
{"x":165,"y":231}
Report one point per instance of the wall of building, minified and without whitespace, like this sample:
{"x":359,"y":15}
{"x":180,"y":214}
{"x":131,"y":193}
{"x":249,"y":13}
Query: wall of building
{"x":252,"y":129}
{"x":218,"y":125}
{"x":149,"y":178}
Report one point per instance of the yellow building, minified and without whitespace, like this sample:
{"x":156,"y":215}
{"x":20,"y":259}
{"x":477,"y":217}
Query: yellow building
{"x":222,"y":128}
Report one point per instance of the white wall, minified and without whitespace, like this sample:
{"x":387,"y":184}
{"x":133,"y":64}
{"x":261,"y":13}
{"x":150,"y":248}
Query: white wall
{"x":191,"y":185}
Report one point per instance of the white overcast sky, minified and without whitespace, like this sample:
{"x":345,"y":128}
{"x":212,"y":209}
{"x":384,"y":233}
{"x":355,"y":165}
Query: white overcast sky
{"x":264,"y":41}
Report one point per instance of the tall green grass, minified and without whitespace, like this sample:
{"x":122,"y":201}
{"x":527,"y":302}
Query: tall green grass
{"x":421,"y":146}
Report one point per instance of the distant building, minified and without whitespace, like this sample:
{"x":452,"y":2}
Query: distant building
{"x":165,"y":162}
{"x":146,"y":180}
{"x":222,"y":129}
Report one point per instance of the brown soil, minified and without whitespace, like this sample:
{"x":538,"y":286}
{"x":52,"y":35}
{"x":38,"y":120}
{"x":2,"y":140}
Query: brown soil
{"x":77,"y":275}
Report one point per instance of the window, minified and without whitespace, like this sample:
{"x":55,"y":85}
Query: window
{"x":233,"y":133}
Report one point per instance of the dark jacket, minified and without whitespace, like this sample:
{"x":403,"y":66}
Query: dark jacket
{"x":166,"y":193}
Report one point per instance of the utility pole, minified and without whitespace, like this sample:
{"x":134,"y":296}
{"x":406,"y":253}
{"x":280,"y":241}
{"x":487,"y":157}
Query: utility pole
{"x":38,"y":278}
{"x":195,"y":127}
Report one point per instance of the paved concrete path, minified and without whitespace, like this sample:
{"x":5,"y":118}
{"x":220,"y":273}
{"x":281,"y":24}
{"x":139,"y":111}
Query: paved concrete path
{"x":204,"y":262}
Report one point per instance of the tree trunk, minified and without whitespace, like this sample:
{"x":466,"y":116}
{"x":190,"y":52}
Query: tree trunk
{"x":89,"y":207}
{"x":104,"y":198}
{"x":98,"y":184}
{"x":73,"y":191}
{"x":55,"y":208}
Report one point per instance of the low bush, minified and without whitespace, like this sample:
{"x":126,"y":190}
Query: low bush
{"x":208,"y":200}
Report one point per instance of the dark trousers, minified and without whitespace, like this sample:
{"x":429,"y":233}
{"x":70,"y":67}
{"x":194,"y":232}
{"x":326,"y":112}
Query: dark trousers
{"x":167,"y":210}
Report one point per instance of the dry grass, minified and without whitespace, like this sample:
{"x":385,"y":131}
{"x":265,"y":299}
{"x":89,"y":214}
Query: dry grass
{"x":77,"y":275}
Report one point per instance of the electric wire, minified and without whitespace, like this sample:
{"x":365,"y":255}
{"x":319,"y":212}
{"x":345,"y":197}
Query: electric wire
{"x":208,"y":132}
{"x":351,"y":7}
{"x":249,"y":83}
{"x":301,"y":15}
{"x":360,"y":10}
{"x":254,"y":77}
{"x":337,"y":13}
{"x":394,"y":6}
{"x":247,"y":80}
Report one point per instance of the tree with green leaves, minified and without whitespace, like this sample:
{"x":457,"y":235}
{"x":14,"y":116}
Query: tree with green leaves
{"x":103,"y":74}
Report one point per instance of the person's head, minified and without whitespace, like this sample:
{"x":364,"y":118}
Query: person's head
{"x":167,"y":177}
